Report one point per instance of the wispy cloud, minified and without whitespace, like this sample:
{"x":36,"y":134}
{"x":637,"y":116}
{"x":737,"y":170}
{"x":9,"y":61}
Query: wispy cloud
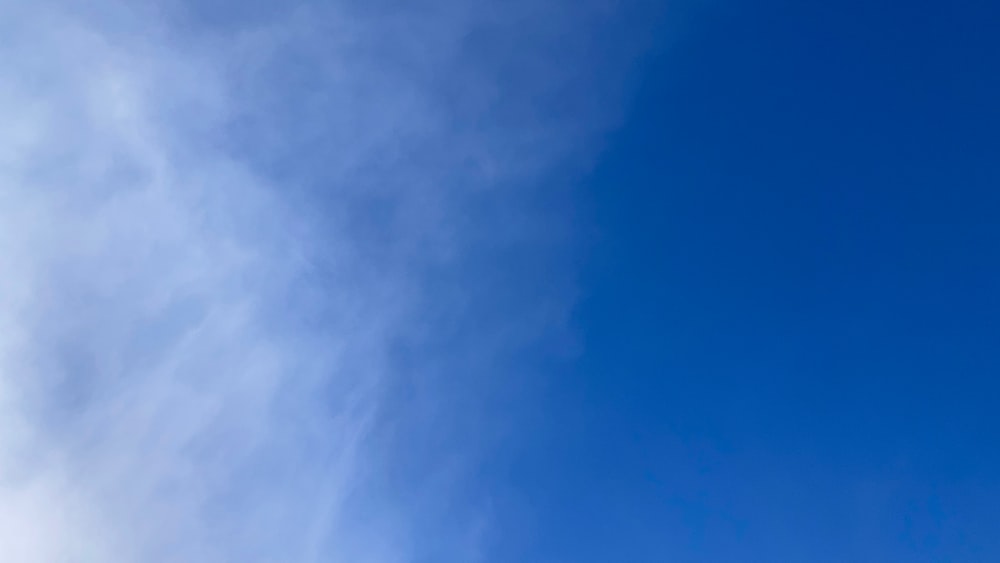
{"x":218,"y":234}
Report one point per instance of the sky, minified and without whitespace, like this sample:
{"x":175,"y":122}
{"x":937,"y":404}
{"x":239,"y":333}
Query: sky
{"x":468,"y":281}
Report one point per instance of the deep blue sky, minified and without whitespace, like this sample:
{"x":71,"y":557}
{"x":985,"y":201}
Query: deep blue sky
{"x":790,"y":311}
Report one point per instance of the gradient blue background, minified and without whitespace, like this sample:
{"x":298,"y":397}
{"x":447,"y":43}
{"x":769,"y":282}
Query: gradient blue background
{"x":790,"y":308}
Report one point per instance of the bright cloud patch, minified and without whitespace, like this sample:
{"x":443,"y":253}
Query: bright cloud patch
{"x":211,"y":244}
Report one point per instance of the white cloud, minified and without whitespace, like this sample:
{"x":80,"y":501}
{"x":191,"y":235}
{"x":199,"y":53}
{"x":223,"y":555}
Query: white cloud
{"x":211,"y":239}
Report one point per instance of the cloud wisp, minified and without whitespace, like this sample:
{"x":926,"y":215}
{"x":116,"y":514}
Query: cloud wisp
{"x":218,"y":233}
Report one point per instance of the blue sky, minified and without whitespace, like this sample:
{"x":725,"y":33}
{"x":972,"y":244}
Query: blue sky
{"x":461,"y":281}
{"x":789,"y":313}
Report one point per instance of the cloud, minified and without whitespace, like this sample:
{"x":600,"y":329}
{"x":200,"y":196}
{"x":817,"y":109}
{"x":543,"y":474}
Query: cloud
{"x":240,"y":255}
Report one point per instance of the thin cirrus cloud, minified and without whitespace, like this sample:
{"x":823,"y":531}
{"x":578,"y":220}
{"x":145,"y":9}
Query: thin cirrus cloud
{"x":218,"y":233}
